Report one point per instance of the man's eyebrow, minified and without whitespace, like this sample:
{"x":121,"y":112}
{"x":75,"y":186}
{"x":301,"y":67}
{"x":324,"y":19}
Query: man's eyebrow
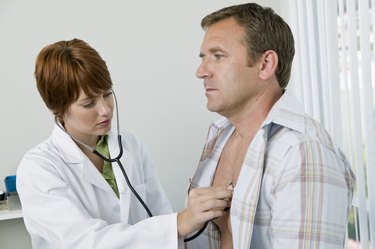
{"x":216,"y":49}
{"x":212,"y":51}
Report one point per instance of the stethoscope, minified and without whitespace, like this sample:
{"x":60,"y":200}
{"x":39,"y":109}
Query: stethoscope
{"x":117,"y":160}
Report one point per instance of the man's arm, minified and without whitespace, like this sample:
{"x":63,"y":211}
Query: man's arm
{"x":312,"y":198}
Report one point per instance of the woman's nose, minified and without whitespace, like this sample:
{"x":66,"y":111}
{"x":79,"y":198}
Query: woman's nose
{"x":105,"y":108}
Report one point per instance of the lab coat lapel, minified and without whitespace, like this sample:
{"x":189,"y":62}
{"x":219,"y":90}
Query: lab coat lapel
{"x":246,"y":194}
{"x":77,"y":160}
{"x":92,"y":175}
{"x":123,"y":188}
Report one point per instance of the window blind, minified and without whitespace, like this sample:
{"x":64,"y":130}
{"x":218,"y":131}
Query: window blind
{"x":333,"y":75}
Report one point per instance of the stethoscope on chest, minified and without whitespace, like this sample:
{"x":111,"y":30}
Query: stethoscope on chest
{"x":118,"y":161}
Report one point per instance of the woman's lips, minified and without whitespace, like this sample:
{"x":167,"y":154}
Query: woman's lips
{"x":104,"y":123}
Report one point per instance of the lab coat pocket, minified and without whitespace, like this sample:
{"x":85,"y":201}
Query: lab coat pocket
{"x":137,"y":211}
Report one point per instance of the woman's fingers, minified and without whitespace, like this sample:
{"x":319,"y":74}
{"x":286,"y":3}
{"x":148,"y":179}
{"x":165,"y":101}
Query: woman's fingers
{"x":211,"y":191}
{"x":212,"y":198}
{"x":206,"y":203}
{"x":203,"y":204}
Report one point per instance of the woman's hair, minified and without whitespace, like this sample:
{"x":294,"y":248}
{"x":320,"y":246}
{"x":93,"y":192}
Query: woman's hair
{"x":63,"y":68}
{"x":264,"y":30}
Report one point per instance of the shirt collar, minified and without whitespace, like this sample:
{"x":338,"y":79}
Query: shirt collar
{"x":286,"y":112}
{"x":102,"y":141}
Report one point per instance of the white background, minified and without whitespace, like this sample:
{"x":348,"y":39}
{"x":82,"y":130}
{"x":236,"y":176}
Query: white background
{"x":151,"y":49}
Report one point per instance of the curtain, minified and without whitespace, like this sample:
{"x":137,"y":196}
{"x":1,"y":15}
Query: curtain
{"x":333,"y":75}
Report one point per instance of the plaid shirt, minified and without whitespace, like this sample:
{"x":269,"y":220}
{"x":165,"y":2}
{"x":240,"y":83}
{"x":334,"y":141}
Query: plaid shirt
{"x":295,"y":186}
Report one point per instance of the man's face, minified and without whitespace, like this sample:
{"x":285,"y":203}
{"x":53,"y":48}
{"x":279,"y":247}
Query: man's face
{"x":230,"y":83}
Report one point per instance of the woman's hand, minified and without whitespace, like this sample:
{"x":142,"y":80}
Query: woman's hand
{"x":203,"y":204}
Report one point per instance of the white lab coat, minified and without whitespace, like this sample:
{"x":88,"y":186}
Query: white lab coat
{"x":67,"y":203}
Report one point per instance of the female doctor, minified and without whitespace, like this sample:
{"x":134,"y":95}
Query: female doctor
{"x":73,"y":198}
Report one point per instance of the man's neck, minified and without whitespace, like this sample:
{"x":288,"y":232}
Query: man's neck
{"x":248,"y":122}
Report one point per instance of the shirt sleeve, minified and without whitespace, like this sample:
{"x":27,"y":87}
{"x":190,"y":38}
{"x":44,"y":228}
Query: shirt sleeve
{"x":312,"y":194}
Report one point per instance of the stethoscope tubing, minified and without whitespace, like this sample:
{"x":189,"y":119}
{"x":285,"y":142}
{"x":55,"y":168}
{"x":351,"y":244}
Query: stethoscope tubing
{"x":117,"y":160}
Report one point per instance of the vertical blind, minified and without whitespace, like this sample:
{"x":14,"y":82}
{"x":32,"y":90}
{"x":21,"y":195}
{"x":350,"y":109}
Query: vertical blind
{"x":333,"y":75}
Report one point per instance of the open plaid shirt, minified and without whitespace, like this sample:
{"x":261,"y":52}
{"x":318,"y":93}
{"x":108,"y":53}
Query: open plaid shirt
{"x":295,"y":186}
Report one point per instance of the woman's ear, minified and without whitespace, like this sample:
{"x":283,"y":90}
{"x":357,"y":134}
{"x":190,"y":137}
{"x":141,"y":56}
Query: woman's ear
{"x":268,"y":64}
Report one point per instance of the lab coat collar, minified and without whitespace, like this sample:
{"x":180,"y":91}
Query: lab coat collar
{"x":69,"y":150}
{"x":73,"y":156}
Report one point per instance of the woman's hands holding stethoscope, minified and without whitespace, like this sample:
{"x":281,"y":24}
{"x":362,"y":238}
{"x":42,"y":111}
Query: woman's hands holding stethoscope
{"x":203,"y":204}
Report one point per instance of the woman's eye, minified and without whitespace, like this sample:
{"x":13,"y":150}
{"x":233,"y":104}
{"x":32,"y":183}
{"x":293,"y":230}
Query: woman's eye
{"x":89,"y":105}
{"x":107,"y":94}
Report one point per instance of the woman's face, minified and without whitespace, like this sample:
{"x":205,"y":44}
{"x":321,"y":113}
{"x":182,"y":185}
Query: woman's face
{"x":90,"y":117}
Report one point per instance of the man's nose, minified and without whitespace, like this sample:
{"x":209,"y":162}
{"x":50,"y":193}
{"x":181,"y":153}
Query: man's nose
{"x":203,"y":71}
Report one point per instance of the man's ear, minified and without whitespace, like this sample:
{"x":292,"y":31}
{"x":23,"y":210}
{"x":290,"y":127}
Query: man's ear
{"x":268,"y":64}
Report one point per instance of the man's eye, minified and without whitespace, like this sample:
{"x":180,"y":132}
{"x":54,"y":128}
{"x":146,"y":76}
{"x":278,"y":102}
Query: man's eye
{"x":218,"y":56}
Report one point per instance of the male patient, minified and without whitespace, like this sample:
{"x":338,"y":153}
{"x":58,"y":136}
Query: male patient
{"x":292,"y":185}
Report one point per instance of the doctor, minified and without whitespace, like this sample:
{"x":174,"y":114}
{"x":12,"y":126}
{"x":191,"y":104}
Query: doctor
{"x":72,"y":198}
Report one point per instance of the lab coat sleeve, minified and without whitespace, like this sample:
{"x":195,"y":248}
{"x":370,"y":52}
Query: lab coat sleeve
{"x":53,"y":211}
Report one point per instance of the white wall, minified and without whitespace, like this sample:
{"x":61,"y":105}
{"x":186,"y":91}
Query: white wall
{"x":151,"y":48}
